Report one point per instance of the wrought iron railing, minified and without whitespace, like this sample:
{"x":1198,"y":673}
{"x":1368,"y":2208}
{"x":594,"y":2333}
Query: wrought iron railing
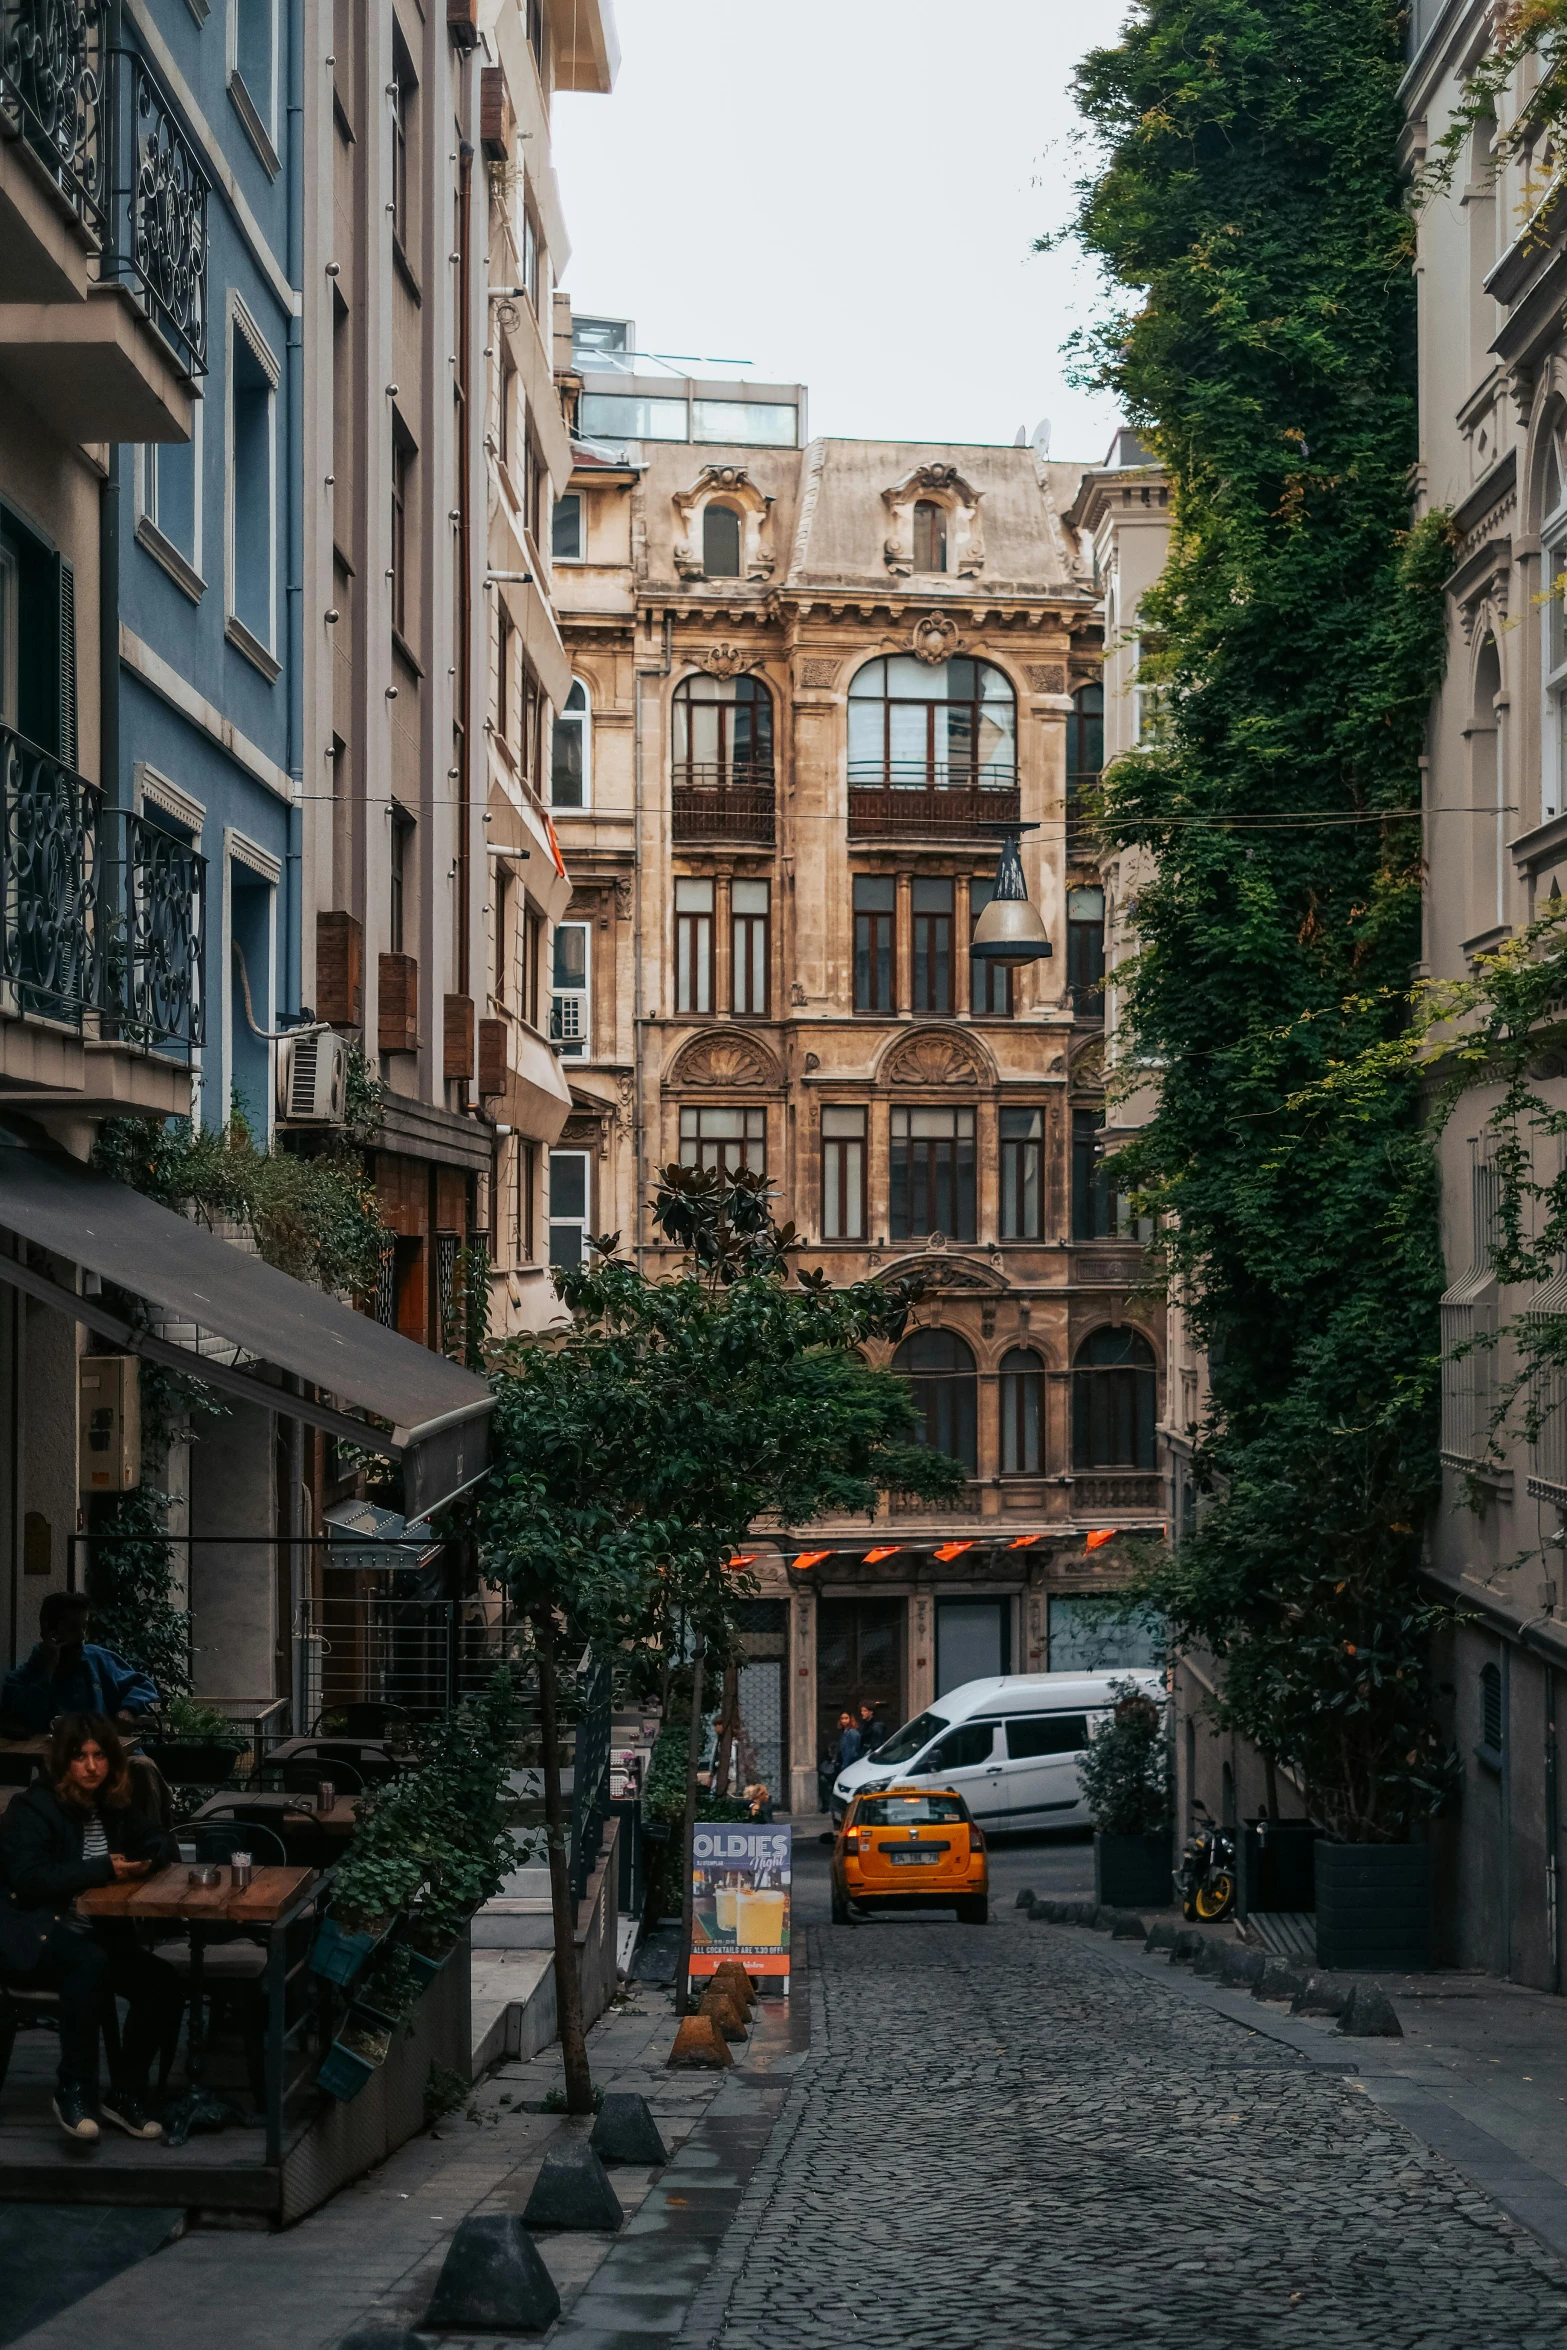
{"x":879,"y":810}
{"x":159,"y":214}
{"x":101,"y":914}
{"x":414,"y":1657}
{"x":590,"y":1774}
{"x":99,"y":121}
{"x":731,"y":799}
{"x":53,"y":82}
{"x":931,"y":775}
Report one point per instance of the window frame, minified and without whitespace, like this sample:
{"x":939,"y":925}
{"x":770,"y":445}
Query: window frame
{"x":402,"y":101}
{"x":1553,"y":668}
{"x":1112,"y":1396}
{"x":875,"y":946}
{"x":402,"y":483}
{"x":403,"y":834}
{"x":1021,"y":1374}
{"x":750,"y":949}
{"x":242,"y":328}
{"x":560,"y":1220}
{"x":734,"y":764}
{"x":1085,"y":952}
{"x":844,"y":1205}
{"x":736,"y":520}
{"x":947,"y":1393}
{"x":573,"y":498}
{"x":582,"y":997}
{"x":988,"y":980}
{"x":930,"y":935}
{"x":255,"y":97}
{"x":579,"y":721}
{"x":935,"y":533}
{"x":694,"y":1146}
{"x":183,"y":563}
{"x":1020,"y":1180}
{"x":921,"y":1166}
{"x":695,"y":939}
{"x":928,"y":772}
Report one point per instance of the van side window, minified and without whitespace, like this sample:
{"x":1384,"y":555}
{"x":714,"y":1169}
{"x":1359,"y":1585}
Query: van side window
{"x":1046,"y":1734}
{"x":960,"y":1749}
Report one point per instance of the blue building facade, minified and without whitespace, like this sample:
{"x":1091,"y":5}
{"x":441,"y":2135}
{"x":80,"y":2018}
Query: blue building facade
{"x":200,"y":620}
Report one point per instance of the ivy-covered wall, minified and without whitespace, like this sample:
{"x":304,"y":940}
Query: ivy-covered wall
{"x":1248,"y":211}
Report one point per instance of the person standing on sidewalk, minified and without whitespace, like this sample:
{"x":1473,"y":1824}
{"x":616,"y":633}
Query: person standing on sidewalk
{"x":873,"y":1730}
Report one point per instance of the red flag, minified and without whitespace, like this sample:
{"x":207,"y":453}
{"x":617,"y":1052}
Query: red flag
{"x":560,"y":862}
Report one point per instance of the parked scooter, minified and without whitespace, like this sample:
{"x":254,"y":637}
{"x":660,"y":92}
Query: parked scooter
{"x":1208,"y":1872}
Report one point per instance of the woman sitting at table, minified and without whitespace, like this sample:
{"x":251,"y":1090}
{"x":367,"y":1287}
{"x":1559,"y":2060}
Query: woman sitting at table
{"x":71,"y":1831}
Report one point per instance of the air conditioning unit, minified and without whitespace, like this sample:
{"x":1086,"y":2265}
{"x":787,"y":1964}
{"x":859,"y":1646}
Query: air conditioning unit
{"x":312,"y":1078}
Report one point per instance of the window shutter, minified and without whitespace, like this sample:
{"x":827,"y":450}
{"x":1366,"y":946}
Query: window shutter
{"x":67,"y":663}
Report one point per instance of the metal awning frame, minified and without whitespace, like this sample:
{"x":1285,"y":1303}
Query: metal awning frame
{"x":390,"y":1445}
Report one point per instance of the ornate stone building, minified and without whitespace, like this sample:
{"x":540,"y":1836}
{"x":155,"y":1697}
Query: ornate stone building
{"x":811,"y":678}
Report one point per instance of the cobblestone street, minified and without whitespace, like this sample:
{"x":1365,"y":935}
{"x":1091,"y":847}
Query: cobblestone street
{"x":1009,"y":2136}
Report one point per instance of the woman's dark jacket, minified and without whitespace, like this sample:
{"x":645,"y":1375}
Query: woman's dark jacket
{"x":42,"y":1869}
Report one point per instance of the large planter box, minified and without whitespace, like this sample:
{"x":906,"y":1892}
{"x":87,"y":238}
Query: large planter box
{"x":1133,"y":1872}
{"x":1278,"y":1866}
{"x":1373,"y":1907}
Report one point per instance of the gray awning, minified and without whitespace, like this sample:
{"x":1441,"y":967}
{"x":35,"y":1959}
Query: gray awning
{"x":221,"y":1316}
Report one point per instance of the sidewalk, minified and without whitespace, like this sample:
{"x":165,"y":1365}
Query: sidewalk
{"x":1480,"y":2075}
{"x":373,"y":2253}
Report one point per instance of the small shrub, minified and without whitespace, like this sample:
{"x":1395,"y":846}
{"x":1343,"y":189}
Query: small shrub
{"x":1126,"y":1771}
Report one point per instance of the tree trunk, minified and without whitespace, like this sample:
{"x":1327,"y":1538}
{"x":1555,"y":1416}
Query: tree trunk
{"x":1270,"y":1766}
{"x":728,"y":1724}
{"x":563,"y":1908}
{"x":683,"y":2001}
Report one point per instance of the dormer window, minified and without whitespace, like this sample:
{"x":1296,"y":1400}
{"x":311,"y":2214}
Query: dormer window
{"x":930,"y":536}
{"x":720,"y":542}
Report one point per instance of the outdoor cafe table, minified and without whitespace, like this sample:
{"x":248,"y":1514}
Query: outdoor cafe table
{"x":169,"y":1894}
{"x":339,"y":1821}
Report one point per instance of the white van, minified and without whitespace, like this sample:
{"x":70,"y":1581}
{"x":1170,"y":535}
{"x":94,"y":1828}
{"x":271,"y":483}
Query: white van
{"x":1011,"y":1743}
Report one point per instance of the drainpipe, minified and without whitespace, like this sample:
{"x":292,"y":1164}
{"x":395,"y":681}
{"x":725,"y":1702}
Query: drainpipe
{"x":464,"y":561}
{"x":639,"y":994}
{"x":109,"y":632}
{"x":294,"y":881}
{"x":1507,"y":1812}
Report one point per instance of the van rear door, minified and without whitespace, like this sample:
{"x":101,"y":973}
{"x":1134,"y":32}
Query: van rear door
{"x":1040,"y":1778}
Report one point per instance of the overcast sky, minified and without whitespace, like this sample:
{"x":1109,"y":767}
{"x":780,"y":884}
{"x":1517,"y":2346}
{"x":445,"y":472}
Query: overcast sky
{"x":845,"y":192}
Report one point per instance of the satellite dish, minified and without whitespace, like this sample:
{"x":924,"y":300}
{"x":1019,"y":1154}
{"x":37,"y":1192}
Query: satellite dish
{"x":1041,"y":441}
{"x":1021,"y":441}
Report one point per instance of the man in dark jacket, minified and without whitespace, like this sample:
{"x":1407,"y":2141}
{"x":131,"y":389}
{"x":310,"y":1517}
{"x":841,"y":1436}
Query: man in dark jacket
{"x":71,"y":1831}
{"x":873,"y":1730}
{"x":69,"y":1674}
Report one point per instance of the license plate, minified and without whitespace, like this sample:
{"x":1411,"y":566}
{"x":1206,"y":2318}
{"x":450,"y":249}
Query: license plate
{"x":910,"y":1860}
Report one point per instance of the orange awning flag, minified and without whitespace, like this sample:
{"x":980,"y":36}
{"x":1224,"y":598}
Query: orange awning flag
{"x":1024,"y":1540}
{"x":746,"y":1558}
{"x":809,"y":1558}
{"x":952,"y":1550}
{"x":560,"y":862}
{"x":1099,"y":1537}
{"x":883,"y":1550}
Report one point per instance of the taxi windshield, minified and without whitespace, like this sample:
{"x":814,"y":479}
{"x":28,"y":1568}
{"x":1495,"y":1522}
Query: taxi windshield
{"x":909,"y":1811}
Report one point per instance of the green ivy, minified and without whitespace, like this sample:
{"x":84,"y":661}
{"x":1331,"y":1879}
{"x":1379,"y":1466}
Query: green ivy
{"x":1249,"y":212}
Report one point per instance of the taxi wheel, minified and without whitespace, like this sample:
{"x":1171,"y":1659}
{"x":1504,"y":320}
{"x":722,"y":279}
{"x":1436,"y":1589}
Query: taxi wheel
{"x":974,"y":1910}
{"x":840,"y":1908}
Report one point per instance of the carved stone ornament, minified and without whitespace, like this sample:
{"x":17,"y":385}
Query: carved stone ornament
{"x":738,"y":1063}
{"x":732,"y":486}
{"x":939,"y":1271}
{"x":1045,"y":677}
{"x":726,"y":660}
{"x":935,"y":639}
{"x":819,"y":673}
{"x":623,"y":899}
{"x":932,"y":1058}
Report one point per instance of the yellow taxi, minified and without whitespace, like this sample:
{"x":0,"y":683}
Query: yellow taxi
{"x":910,"y":1847}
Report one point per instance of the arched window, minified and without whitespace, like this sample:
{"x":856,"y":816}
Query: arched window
{"x":1553,"y":626}
{"x":940,"y":1369}
{"x":723,"y":730}
{"x":1022,"y":1412}
{"x":930,"y":536}
{"x":571,"y":750}
{"x":922,"y":724}
{"x":1114,"y":1387}
{"x":720,"y":542}
{"x":1485,"y":775}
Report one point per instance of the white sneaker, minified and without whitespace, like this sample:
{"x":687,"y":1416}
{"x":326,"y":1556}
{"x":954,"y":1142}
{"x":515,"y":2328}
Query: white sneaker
{"x":75,"y":2117}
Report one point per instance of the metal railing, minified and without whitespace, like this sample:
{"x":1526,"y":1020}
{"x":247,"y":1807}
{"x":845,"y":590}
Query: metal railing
{"x":725,"y":800}
{"x":101,"y":914}
{"x":100,"y":123}
{"x":590,"y":1775}
{"x":53,"y":80}
{"x":416,"y":1657}
{"x":889,"y":798}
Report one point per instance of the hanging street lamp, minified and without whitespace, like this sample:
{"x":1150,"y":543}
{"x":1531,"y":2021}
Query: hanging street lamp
{"x":1009,"y":930}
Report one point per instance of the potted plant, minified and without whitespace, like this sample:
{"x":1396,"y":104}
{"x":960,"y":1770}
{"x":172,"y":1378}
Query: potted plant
{"x":360,"y":2049}
{"x":1126,"y":1783}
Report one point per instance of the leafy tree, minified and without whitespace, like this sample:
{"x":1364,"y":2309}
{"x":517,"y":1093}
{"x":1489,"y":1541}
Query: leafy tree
{"x":634,"y":1450}
{"x":1126,"y":1772}
{"x":1249,"y":210}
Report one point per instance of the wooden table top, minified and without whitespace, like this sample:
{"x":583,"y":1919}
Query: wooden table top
{"x":341,"y":1820}
{"x":169,"y":1893}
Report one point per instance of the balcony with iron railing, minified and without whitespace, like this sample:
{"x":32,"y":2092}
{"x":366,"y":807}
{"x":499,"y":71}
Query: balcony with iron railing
{"x":90,"y":136}
{"x":101,"y":913}
{"x":893,"y":799}
{"x":727,"y":800}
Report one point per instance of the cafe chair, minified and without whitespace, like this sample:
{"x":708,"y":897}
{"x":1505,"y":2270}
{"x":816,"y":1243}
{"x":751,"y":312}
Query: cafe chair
{"x":304,"y":1846}
{"x":372,"y":1763}
{"x":355,"y":1721}
{"x":302,"y":1774}
{"x":233,"y":1964}
{"x":22,"y":2008}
